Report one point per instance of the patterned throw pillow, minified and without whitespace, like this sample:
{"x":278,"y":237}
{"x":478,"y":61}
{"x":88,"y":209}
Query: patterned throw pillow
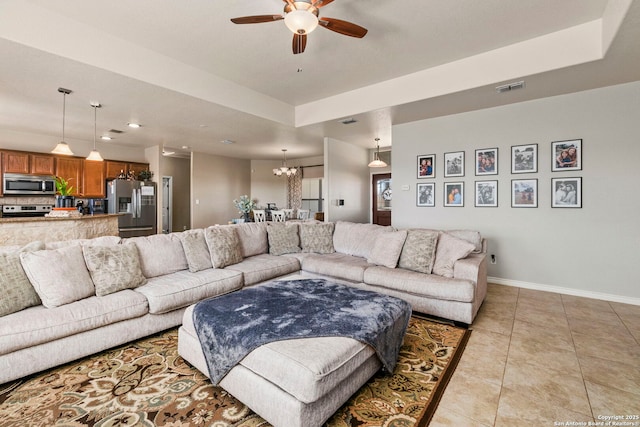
{"x":196,"y":250}
{"x":113,"y":268}
{"x":224,"y":246}
{"x":450,"y":249}
{"x":387,"y":248}
{"x":418,"y":251}
{"x":17,"y":292}
{"x":283,"y":238}
{"x":59,"y":276}
{"x":317,"y":238}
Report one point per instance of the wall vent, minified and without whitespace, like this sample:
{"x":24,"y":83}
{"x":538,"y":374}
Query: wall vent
{"x":348,"y":121}
{"x":510,"y":86}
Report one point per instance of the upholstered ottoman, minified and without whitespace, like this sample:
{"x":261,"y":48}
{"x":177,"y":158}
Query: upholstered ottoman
{"x":295,"y":382}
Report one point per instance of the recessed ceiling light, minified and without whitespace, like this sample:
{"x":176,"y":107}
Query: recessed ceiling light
{"x":186,"y":147}
{"x":134,"y":125}
{"x":106,"y":137}
{"x":227,"y":141}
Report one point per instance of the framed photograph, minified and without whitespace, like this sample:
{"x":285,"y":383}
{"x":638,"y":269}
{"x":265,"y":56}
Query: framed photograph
{"x":487,"y":194}
{"x":426,"y":194}
{"x":524,"y":193}
{"x":487,"y":161}
{"x":454,"y":194}
{"x":454,"y":164}
{"x":524,"y":158}
{"x":566,"y":155}
{"x":566,"y":192}
{"x":427,"y":166}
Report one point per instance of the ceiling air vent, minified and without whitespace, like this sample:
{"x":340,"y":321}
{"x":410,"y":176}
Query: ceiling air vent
{"x":509,"y":87}
{"x":348,"y":121}
{"x":115,"y":131}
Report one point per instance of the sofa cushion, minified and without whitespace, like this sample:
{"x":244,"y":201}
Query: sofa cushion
{"x":420,"y":284}
{"x":253,"y":238}
{"x":317,"y":238}
{"x":283,"y":238}
{"x":196,"y":250}
{"x":418,"y":251}
{"x":470,"y":236}
{"x":387,"y":248}
{"x":37,"y":325}
{"x":450,"y":249}
{"x":96,"y":241}
{"x":180,"y":289}
{"x":263,"y":267}
{"x":113,"y":268}
{"x":337,"y":265}
{"x":15,"y":287}
{"x":59,"y":276}
{"x":356,"y":239}
{"x":224,"y":246}
{"x":159,"y":254}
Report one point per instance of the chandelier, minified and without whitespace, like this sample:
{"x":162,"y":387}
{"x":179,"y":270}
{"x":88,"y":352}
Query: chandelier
{"x":284,"y":170}
{"x":377,"y":163}
{"x":63,"y":147}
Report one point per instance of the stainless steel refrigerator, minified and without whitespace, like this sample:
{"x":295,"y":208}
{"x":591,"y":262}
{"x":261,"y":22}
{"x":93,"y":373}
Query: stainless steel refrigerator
{"x":136,"y":201}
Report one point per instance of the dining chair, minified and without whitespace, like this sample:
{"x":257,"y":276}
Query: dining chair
{"x":303,"y":213}
{"x":259,"y":215}
{"x":288,"y":214}
{"x":278,"y":216}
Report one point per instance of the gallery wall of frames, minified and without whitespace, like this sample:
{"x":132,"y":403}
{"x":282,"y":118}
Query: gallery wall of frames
{"x":521,"y":163}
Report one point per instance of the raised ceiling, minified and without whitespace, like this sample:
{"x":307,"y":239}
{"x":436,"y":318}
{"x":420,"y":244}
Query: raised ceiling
{"x":193,"y":78}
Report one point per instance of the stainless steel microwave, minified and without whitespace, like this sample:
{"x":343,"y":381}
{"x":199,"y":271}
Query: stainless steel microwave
{"x":18,"y":184}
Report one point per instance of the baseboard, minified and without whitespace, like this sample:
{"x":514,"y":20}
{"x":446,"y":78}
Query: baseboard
{"x":565,"y":291}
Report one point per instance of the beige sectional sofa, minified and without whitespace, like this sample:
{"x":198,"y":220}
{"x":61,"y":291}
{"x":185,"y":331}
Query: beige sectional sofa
{"x":66,"y":300}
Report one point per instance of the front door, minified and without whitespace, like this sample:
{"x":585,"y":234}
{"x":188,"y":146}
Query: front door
{"x":381,"y":200}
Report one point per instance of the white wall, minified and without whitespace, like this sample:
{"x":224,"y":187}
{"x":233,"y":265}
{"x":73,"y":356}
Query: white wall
{"x":267,"y":187}
{"x":215,"y":182}
{"x":592,"y":251}
{"x":346,"y":176}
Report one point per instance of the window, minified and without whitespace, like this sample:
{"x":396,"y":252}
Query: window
{"x":312,"y":195}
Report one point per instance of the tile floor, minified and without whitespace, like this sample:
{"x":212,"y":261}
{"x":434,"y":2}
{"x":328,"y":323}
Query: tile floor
{"x":543,"y":359}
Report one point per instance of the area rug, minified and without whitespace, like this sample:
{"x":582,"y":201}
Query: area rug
{"x":148,"y":384}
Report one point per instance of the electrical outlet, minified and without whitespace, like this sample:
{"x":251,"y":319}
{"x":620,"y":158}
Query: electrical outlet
{"x":493,"y":259}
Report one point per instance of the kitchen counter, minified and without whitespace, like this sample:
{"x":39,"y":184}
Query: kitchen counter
{"x":20,"y":231}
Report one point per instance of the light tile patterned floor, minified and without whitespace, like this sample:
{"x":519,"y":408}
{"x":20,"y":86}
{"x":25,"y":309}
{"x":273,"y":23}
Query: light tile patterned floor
{"x":543,"y":359}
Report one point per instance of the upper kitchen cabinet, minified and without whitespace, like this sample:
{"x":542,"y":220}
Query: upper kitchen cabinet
{"x":114,"y":168}
{"x":94,"y":179}
{"x":18,"y":162}
{"x":71,"y":169}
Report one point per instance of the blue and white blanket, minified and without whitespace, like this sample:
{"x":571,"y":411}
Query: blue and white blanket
{"x":231,"y":326}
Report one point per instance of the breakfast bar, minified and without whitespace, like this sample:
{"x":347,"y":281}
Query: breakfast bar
{"x":20,"y":231}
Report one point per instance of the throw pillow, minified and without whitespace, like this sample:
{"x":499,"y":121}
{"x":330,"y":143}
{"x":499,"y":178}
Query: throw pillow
{"x":283,"y":238}
{"x":59,"y":276}
{"x":196,"y":250}
{"x":387,"y":248}
{"x":450,"y":249}
{"x":253,"y":238}
{"x":470,"y":236}
{"x":17,"y":292}
{"x":317,"y":238}
{"x":418,"y":250}
{"x":224,"y":246}
{"x":113,"y":268}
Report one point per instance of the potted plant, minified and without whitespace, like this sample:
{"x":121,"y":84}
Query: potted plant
{"x":64,"y":196}
{"x":244,"y":206}
{"x":145,"y":175}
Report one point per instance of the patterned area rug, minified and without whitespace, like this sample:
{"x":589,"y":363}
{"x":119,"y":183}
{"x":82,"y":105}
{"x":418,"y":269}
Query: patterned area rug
{"x":148,"y":384}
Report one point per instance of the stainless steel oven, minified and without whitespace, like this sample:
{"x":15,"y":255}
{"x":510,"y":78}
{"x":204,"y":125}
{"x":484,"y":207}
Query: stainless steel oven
{"x":18,"y":211}
{"x":24,"y":185}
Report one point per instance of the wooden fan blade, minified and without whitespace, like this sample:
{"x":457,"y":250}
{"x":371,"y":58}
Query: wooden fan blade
{"x":321,"y":3}
{"x":343,"y":27}
{"x":256,"y":19}
{"x":299,"y":43}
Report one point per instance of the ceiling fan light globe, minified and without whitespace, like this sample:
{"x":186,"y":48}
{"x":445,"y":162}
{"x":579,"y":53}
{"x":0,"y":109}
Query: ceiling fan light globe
{"x":301,"y":21}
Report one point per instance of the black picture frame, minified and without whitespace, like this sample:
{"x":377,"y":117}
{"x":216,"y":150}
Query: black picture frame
{"x":454,"y":194}
{"x":426,"y":166}
{"x":524,"y":193}
{"x":486,"y":194}
{"x":486,"y":161}
{"x":524,"y":158}
{"x":426,"y":194}
{"x":566,"y":155}
{"x":454,"y":164}
{"x":566,"y":192}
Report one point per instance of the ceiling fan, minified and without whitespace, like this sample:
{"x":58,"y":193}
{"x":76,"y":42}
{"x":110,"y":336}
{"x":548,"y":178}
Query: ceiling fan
{"x":302,"y":17}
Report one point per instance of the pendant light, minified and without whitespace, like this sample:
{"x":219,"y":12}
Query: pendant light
{"x":63,"y":147}
{"x":284,"y":170}
{"x":95,"y":155}
{"x":377,"y":163}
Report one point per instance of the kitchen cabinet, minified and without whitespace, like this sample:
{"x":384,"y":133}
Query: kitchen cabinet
{"x":94,"y":179}
{"x":113,"y":168}
{"x":18,"y":162}
{"x":70,"y":168}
